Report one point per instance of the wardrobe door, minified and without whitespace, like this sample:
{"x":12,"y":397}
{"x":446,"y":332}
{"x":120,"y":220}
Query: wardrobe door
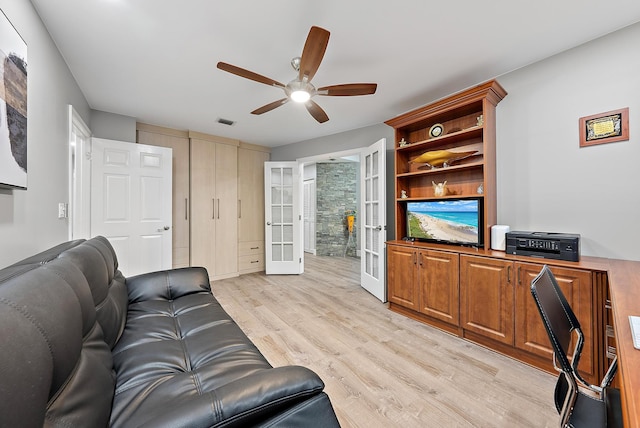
{"x":203,"y":205}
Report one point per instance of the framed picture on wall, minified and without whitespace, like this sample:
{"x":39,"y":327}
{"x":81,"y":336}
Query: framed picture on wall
{"x":605,"y":127}
{"x":13,"y":106}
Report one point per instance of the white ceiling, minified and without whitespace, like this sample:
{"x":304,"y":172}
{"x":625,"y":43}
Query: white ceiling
{"x":155,"y":60}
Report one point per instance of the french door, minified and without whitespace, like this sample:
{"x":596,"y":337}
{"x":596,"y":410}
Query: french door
{"x":283,"y":218}
{"x":372,"y":209}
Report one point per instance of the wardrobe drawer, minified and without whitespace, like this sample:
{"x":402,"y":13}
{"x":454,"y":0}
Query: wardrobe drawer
{"x":250,"y":247}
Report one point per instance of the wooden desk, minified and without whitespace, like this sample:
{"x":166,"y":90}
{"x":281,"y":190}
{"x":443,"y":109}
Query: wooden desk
{"x":624,"y":285}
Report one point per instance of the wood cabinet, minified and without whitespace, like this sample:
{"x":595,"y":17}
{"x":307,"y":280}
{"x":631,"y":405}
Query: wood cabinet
{"x":214,"y":204}
{"x":486,"y":295}
{"x":402,"y":277}
{"x":468,"y":123}
{"x":425,"y":281}
{"x":577,"y":286}
{"x":251,"y":251}
{"x":179,"y":142}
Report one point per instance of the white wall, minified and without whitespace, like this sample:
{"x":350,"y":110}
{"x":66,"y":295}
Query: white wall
{"x":29,"y":218}
{"x":546,"y":182}
{"x":113,"y":126}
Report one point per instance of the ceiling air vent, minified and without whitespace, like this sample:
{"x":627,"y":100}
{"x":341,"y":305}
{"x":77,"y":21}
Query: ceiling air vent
{"x":225,"y":121}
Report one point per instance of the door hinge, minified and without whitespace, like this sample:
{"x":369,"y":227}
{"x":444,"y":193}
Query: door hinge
{"x":87,"y":155}
{"x":300,"y":260}
{"x":299,"y":216}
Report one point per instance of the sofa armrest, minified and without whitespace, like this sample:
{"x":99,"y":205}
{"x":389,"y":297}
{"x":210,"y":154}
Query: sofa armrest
{"x":244,"y":402}
{"x":168,"y":284}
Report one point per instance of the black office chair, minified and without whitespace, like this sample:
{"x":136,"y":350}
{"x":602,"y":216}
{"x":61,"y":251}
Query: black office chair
{"x":579,"y":406}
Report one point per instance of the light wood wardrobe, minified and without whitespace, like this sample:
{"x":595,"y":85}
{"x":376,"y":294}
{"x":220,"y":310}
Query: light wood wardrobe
{"x":218,"y":200}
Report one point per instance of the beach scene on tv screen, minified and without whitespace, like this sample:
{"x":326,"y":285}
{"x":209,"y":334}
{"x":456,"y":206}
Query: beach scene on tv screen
{"x":454,"y":220}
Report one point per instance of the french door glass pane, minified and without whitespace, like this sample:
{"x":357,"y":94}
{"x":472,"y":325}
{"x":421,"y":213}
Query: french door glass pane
{"x":374,"y":185}
{"x":276,"y":195}
{"x":276,"y":176}
{"x":375,"y":163}
{"x":287,"y":252}
{"x":287,"y":214}
{"x":276,"y":252}
{"x":287,"y":233}
{"x":374,"y":266}
{"x":276,"y":215}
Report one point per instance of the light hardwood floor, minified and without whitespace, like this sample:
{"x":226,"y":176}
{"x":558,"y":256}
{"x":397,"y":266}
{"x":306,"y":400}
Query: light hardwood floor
{"x":380,"y":368}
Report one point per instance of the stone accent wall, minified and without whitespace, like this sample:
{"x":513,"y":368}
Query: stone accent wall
{"x":336,"y":185}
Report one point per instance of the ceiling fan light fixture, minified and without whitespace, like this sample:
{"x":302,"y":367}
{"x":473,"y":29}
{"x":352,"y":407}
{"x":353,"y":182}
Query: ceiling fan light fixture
{"x":300,"y":96}
{"x":299,"y":91}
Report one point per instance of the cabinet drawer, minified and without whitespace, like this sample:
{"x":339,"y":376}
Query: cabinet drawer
{"x":250,"y":247}
{"x":251,"y":263}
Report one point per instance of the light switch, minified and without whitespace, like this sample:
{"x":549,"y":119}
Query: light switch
{"x":62,"y":210}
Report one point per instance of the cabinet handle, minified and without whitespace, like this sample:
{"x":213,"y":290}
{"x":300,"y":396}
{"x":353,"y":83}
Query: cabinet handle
{"x":519,"y":276}
{"x":420,"y":258}
{"x":218,"y":209}
{"x":255,"y":248}
{"x":239,"y":208}
{"x":509,"y":274}
{"x":213,"y":209}
{"x":186,"y":209}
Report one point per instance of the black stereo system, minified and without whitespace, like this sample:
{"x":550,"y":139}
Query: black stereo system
{"x":560,"y":246}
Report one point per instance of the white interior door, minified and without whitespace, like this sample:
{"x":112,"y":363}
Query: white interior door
{"x":373,"y":219}
{"x":131,"y":202}
{"x":283,"y":218}
{"x":309,"y":216}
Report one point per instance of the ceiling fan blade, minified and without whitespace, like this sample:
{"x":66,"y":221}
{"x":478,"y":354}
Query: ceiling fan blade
{"x":270,"y":106}
{"x":248,"y":74}
{"x":348,"y":89}
{"x":313,"y":52}
{"x":316,"y":111}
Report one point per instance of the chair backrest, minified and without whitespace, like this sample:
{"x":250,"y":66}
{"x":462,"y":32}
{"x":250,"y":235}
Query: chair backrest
{"x":560,"y":322}
{"x":557,"y":316}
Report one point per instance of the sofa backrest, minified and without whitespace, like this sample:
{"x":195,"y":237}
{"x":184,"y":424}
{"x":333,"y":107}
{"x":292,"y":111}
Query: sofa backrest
{"x":97,"y":260}
{"x":55,"y":367}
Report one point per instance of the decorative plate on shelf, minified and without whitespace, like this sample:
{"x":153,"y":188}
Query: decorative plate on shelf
{"x":444,"y":158}
{"x":436,"y":130}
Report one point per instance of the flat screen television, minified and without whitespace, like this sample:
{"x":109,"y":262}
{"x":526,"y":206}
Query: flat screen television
{"x":448,"y":221}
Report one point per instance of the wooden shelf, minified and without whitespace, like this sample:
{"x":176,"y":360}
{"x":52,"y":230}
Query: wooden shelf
{"x":468,"y":119}
{"x":454,"y":137}
{"x":440,"y":171}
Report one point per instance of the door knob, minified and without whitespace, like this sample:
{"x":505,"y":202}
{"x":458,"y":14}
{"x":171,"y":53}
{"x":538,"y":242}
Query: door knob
{"x":379,"y":227}
{"x":164,"y":228}
{"x":268,"y":223}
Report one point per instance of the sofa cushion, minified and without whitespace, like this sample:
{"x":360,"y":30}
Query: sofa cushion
{"x":97,"y":261}
{"x":55,"y":367}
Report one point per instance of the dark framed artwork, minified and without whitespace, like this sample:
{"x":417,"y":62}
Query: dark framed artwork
{"x":605,"y":127}
{"x":13,"y":106}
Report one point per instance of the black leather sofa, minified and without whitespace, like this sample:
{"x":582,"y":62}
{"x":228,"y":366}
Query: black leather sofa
{"x":83,"y":346}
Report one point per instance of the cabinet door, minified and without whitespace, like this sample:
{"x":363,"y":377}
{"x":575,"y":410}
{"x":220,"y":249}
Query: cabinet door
{"x":487,"y":297}
{"x":402,"y":277}
{"x":439,"y":285}
{"x":531,"y":335}
{"x":203,"y":204}
{"x":251,"y":194}
{"x":226,"y":195}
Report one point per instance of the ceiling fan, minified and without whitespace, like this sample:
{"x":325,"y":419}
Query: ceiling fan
{"x":300,"y":89}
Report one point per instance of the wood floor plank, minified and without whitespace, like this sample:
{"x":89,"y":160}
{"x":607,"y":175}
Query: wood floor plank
{"x":380,"y":368}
